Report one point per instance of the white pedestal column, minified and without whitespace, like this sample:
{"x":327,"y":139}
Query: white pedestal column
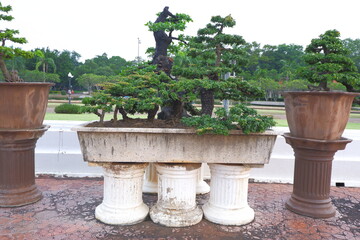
{"x":201,"y":186}
{"x":176,"y":205}
{"x":151,"y":181}
{"x":228,"y":203}
{"x":122,"y":203}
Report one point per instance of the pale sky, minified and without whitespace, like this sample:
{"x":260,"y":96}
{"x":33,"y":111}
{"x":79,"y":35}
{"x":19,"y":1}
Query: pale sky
{"x":94,"y":27}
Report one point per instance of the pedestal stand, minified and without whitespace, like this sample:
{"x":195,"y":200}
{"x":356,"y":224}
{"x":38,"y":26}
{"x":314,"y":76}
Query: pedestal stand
{"x":176,"y":205}
{"x":17,"y":166}
{"x":228,"y":204}
{"x":151,"y":181}
{"x":312,"y":175}
{"x":122,"y":203}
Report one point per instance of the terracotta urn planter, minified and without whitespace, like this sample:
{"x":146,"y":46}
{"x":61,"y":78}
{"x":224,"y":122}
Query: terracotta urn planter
{"x":316,"y":121}
{"x":177,"y":155}
{"x":22,"y":111}
{"x":23,"y":105}
{"x":318,"y":115}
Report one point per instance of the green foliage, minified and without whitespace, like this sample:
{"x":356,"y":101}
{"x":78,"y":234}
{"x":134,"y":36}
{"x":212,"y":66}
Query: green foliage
{"x":37,"y":76}
{"x":239,"y":117}
{"x":100,"y":103}
{"x":327,"y":61}
{"x":138,"y":90}
{"x":209,"y":58}
{"x":89,"y":80}
{"x":68,"y":108}
{"x":177,"y":23}
{"x":10,"y":52}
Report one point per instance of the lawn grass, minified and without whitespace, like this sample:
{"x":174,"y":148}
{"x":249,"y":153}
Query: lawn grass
{"x":92,"y":117}
{"x":74,"y":117}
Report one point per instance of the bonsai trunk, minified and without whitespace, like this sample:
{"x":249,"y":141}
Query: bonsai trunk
{"x":207,"y":101}
{"x":164,"y":64}
{"x":4,"y":70}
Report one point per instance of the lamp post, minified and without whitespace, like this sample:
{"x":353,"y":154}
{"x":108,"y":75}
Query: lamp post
{"x":70,"y":87}
{"x":138,"y":55}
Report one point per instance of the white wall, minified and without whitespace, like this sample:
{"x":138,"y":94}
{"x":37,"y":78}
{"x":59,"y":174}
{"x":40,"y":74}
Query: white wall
{"x":58,"y":153}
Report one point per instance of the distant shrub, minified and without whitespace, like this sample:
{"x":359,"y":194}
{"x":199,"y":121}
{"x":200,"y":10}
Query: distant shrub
{"x":68,"y":108}
{"x":63,"y":92}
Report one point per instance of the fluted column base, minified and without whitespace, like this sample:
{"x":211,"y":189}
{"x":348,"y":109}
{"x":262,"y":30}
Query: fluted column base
{"x":176,"y":205}
{"x":122,"y":203}
{"x":201,"y":186}
{"x":17,"y":166}
{"x":312,"y":175}
{"x":150,"y":180}
{"x":228,"y":203}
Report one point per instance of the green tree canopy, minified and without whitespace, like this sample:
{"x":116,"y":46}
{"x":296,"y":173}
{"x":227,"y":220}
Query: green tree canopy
{"x":90,"y":81}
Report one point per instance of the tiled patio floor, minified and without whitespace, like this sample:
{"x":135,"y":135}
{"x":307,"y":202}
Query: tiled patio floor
{"x":67,"y":212}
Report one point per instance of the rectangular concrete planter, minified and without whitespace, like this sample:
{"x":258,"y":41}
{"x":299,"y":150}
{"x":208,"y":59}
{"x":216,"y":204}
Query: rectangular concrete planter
{"x":178,"y":154}
{"x":173,"y":145}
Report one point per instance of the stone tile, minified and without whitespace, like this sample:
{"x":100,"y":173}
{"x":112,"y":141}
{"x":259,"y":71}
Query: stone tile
{"x":67,"y":212}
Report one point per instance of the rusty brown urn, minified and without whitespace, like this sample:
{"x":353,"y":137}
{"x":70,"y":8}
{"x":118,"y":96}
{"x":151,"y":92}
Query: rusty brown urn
{"x":22,"y":110}
{"x":23,"y":105}
{"x":312,"y":175}
{"x":318,"y":115}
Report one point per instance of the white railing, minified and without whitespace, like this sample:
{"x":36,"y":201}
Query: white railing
{"x":58,"y":153}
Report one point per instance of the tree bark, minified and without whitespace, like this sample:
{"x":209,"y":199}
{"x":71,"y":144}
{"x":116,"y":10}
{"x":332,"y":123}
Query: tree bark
{"x":164,"y":64}
{"x":207,"y":101}
{"x":161,"y":38}
{"x":4,"y":70}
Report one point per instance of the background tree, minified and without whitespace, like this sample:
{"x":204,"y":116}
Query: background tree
{"x":34,"y":76}
{"x":45,"y":63}
{"x":354,"y":50}
{"x":90,"y":81}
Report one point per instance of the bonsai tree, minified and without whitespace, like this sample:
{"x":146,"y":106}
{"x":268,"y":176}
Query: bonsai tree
{"x":8,"y":52}
{"x":163,"y":29}
{"x":327,"y":61}
{"x":142,"y":89}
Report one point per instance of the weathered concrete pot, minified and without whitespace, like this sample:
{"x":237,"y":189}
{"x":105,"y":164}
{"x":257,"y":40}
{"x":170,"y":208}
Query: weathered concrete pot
{"x":176,"y":204}
{"x":312,"y":175}
{"x":23,"y":105}
{"x":173,"y":146}
{"x":122,"y":203}
{"x":318,"y":115}
{"x":228,"y":203}
{"x":17,"y":166}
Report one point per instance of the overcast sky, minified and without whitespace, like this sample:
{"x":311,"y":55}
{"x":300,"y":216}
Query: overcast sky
{"x":94,"y":27}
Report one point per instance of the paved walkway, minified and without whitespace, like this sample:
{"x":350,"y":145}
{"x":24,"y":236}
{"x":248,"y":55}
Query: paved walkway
{"x":67,"y":212}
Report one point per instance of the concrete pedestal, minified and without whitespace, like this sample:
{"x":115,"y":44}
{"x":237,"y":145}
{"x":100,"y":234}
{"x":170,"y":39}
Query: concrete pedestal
{"x":176,"y":205}
{"x":228,"y":203}
{"x":151,"y":181}
{"x":122,"y":203}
